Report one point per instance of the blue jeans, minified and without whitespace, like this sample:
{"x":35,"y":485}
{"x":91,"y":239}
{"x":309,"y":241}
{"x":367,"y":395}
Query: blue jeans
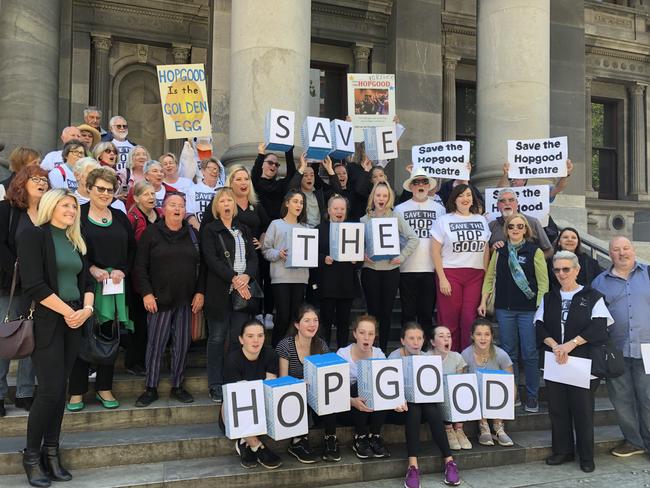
{"x":630,"y":394}
{"x":26,"y":376}
{"x":517,"y":331}
{"x":222,"y":331}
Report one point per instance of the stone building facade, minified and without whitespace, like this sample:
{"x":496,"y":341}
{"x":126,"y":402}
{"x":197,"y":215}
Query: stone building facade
{"x":545,"y":68}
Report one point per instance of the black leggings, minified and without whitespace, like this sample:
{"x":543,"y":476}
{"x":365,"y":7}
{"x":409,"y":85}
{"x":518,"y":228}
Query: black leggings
{"x":432,"y":416}
{"x":366,"y":422}
{"x":335,"y":311}
{"x":288,"y":297}
{"x":380,"y":290}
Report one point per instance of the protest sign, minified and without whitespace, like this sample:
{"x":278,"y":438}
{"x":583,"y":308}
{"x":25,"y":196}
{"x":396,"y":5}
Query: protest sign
{"x":381,"y":383}
{"x":342,"y":139}
{"x":328,"y":383}
{"x":645,"y":355}
{"x":380,"y":143}
{"x":316,"y":138}
{"x":184,"y":100}
{"x":443,"y":159}
{"x":371,"y":101}
{"x":461,"y":398}
{"x":243,"y":409}
{"x":286,"y":408}
{"x":279,"y":130}
{"x":533,"y":200}
{"x":575,"y":372}
{"x":303,"y":248}
{"x":382,"y":238}
{"x":497,"y":391}
{"x":347,"y":241}
{"x":538,"y":158}
{"x":423,"y":379}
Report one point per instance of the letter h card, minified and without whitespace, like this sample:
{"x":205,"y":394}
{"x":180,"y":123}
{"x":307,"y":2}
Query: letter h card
{"x":243,"y":409}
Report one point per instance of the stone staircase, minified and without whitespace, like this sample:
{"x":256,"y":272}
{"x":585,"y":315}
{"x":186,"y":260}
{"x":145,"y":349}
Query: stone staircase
{"x":180,"y":445}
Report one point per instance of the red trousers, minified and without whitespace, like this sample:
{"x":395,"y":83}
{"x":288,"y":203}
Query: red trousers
{"x":458,"y":311}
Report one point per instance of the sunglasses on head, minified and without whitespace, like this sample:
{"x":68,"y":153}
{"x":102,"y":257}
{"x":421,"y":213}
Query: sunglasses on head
{"x":516,"y":226}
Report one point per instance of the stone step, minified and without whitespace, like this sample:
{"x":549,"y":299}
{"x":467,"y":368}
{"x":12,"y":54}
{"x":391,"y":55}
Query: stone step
{"x":207,"y":470}
{"x":113,"y":443}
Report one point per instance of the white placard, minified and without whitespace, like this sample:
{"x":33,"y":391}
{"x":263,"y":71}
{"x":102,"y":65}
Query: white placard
{"x":316,"y":138}
{"x":423,"y":379}
{"x":538,"y":158}
{"x":110,"y":288}
{"x":645,"y":354}
{"x":286,"y":408}
{"x":347,"y":241}
{"x":371,"y":100}
{"x":381,"y":383}
{"x":447,"y":159}
{"x":497,"y":392}
{"x":533,"y":200}
{"x":279,"y":130}
{"x":342,"y":139}
{"x":243,"y":409}
{"x":382,"y":238}
{"x":303,"y":248}
{"x":462,"y":401}
{"x":328,"y":383}
{"x":575,"y":372}
{"x":380,"y":142}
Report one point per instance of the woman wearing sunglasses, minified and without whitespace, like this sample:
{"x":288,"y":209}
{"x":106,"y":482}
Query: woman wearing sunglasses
{"x":517,"y":274}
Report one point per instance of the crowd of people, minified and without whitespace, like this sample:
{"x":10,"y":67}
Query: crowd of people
{"x":180,"y":243}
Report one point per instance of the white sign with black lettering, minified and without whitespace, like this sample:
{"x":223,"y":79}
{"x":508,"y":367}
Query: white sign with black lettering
{"x":380,"y":142}
{"x":286,"y":408}
{"x":303,"y":248}
{"x":243,"y":409}
{"x":443,"y":159}
{"x":533,"y":200}
{"x":328,"y":383}
{"x":382,"y":238}
{"x":645,"y":355}
{"x":423,"y":379}
{"x":538,"y":158}
{"x":279,"y":130}
{"x":497,"y":391}
{"x":316,"y":138}
{"x":347,"y":241}
{"x":381,"y":383}
{"x":462,"y":402}
{"x":342,"y":139}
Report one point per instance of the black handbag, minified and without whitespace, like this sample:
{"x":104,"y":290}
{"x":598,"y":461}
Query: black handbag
{"x":97,"y":348}
{"x":606,"y":360}
{"x":16,"y":336}
{"x":239,"y":303}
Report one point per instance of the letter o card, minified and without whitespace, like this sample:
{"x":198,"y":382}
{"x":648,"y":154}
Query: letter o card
{"x":382,"y":238}
{"x":243,"y":409}
{"x":497,"y":391}
{"x":303,"y":248}
{"x":279,"y":130}
{"x":462,"y":402}
{"x":381,"y":383}
{"x":286,"y":408}
{"x":328,"y":383}
{"x":347,"y":241}
{"x":423,"y":379}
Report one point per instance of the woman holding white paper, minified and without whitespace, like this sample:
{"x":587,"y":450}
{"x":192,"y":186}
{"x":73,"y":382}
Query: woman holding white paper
{"x":111,"y":251}
{"x":567,"y":321}
{"x":380,"y":279}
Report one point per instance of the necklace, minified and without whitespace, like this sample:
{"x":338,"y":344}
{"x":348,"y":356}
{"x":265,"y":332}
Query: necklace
{"x":481,"y":359}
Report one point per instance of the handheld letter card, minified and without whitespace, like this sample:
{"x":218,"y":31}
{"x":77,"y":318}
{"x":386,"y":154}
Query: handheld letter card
{"x":316,"y":138}
{"x":497,"y":391}
{"x":381,"y":383}
{"x":382,"y":238}
{"x":342,"y":139}
{"x":346,"y":241}
{"x":243,"y":409}
{"x":462,"y":401}
{"x":328,"y":383}
{"x":110,"y":288}
{"x":279,"y":130}
{"x":645,"y":354}
{"x":286,"y":408}
{"x":303,"y":248}
{"x":538,"y":158}
{"x":423,"y":379}
{"x":380,"y":142}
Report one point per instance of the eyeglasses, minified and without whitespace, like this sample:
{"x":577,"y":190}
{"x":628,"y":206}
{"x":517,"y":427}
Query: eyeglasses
{"x":516,"y":226}
{"x":272,"y":163}
{"x":111,"y":151}
{"x":420,"y":182}
{"x":562,"y":270}
{"x":77,"y":153}
{"x":121,"y":126}
{"x":103,"y":189}
{"x":508,"y":200}
{"x":37,"y":180}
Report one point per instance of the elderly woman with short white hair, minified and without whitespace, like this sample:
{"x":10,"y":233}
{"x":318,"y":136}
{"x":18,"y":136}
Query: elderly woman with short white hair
{"x":153,"y":173}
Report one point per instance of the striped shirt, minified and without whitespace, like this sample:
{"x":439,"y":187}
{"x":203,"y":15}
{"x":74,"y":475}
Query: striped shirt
{"x":286,"y":349}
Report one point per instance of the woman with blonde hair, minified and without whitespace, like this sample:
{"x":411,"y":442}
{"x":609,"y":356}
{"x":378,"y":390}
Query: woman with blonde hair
{"x":53,"y":272}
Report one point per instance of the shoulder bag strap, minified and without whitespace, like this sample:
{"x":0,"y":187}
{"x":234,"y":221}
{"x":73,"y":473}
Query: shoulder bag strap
{"x":226,"y":253}
{"x":11,"y":294}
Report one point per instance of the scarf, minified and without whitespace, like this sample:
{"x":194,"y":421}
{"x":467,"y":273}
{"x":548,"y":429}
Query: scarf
{"x":517,"y":273}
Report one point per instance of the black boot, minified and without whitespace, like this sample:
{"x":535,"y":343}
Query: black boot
{"x":52,"y":462}
{"x":3,"y":411}
{"x":34,"y":468}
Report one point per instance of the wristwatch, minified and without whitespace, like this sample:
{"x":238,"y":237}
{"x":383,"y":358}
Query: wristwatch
{"x":575,"y":341}
{"x":92,"y":310}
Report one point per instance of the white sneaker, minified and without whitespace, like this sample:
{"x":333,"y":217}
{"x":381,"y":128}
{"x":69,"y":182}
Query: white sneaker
{"x":462,"y":439}
{"x":268,"y":322}
{"x":260,"y":317}
{"x":454,"y":445}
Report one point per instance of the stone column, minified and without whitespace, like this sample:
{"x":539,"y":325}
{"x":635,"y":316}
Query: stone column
{"x":29,"y":73}
{"x":181,"y":53}
{"x":589,"y":188}
{"x":267,"y":70}
{"x":638,"y":173}
{"x":100,"y":76}
{"x":361,"y":53}
{"x":449,"y":98}
{"x":513,"y":78}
